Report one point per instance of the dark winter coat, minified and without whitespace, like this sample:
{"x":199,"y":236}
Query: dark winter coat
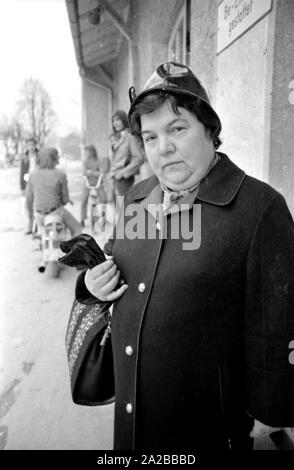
{"x":24,"y":169}
{"x":201,"y":337}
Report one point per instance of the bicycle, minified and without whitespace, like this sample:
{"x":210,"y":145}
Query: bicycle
{"x":97,"y":213}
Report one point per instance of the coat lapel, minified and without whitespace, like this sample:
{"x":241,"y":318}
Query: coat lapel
{"x":222,"y":184}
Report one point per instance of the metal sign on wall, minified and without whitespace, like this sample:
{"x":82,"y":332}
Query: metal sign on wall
{"x":237,"y":16}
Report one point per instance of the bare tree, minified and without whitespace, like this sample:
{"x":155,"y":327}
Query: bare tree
{"x":17,"y":133}
{"x":35,"y":110}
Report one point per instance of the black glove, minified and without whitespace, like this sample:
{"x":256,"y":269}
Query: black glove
{"x":82,"y":252}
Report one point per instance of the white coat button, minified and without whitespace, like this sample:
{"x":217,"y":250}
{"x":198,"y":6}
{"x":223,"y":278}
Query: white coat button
{"x":141,"y":287}
{"x":158,"y":226}
{"x":129,"y":350}
{"x":129,"y":408}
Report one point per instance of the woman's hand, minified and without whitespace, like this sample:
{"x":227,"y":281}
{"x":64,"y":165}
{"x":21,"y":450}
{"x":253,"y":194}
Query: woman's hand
{"x":102,"y":280}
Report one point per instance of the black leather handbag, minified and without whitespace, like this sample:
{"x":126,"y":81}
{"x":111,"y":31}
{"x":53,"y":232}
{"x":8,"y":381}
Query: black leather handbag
{"x":89,"y":351}
{"x":88,"y":336}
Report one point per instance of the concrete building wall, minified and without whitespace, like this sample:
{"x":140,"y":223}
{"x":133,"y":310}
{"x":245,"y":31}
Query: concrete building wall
{"x":281,"y":142}
{"x":151,"y":27}
{"x":203,"y":43}
{"x":240,"y":98}
{"x":122,"y":78}
{"x":237,"y":80}
{"x":96,"y":117}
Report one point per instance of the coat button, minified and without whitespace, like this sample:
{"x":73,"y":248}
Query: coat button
{"x":141,"y":287}
{"x":158,"y":226}
{"x":129,"y":350}
{"x":129,"y":408}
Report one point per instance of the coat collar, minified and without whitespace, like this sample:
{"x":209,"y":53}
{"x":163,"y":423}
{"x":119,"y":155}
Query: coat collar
{"x":219,"y":187}
{"x":153,"y":200}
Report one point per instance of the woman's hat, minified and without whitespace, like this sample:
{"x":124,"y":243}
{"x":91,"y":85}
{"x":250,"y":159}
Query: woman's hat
{"x":176,"y":79}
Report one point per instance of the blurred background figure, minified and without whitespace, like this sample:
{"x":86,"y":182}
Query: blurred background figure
{"x":47,"y":191}
{"x":127,"y":155}
{"x":29,"y":161}
{"x":92,"y":168}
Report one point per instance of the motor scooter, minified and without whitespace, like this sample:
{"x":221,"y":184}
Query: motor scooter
{"x":48,"y":231}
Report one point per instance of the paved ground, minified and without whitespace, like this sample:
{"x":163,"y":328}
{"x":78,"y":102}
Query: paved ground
{"x":36,"y":411}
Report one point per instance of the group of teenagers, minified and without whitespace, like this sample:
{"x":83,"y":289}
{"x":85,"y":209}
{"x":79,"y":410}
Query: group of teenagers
{"x":44,"y":186}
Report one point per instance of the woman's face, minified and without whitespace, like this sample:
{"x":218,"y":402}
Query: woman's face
{"x":179,"y":148}
{"x":117,"y":123}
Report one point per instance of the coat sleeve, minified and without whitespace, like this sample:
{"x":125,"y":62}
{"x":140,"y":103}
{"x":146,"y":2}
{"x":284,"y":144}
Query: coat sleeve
{"x":269,"y":317}
{"x":81,"y":292}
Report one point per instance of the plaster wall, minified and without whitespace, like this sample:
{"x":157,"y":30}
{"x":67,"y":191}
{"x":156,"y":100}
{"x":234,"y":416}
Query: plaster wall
{"x":240,"y":98}
{"x":281,"y":143}
{"x":151,"y":29}
{"x":122,"y":78}
{"x":96,"y":118}
{"x":203,"y":43}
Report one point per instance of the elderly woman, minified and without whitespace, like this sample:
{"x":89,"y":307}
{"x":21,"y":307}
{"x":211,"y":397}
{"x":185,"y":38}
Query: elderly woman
{"x":47,"y":190}
{"x":202,"y":327}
